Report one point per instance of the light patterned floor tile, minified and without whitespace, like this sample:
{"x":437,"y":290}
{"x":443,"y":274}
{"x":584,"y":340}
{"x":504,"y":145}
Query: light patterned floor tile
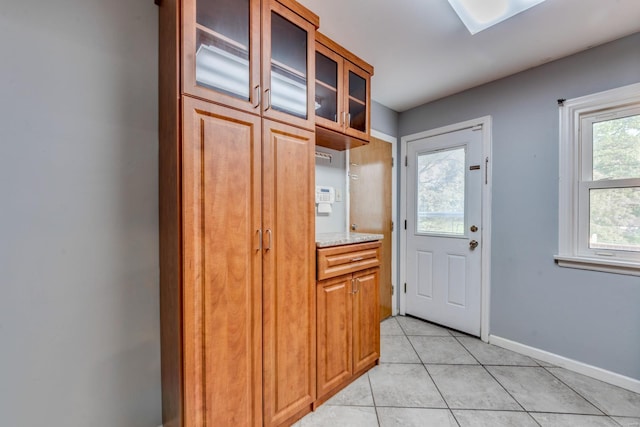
{"x":537,"y":390}
{"x":608,"y":398}
{"x":494,"y":419}
{"x":415,"y":417}
{"x":442,"y":350}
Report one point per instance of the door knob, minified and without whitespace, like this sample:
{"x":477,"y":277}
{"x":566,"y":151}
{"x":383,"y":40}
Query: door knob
{"x":354,"y":227}
{"x":473,"y":244}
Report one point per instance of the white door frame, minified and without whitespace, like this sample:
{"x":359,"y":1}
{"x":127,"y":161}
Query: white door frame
{"x":485,"y":279}
{"x":394,"y":212}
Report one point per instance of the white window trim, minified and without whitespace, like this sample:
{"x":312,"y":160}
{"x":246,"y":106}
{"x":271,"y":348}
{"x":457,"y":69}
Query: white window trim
{"x":570,"y":175}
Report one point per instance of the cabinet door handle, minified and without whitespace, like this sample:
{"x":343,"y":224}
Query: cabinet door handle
{"x":259,"y":240}
{"x":356,"y":259}
{"x":258,"y":96}
{"x":268,"y":93}
{"x":349,"y":120}
{"x":344,"y":119}
{"x":268,"y":247}
{"x":358,"y":288}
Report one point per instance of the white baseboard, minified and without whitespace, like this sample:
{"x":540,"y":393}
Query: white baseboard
{"x":570,"y":364}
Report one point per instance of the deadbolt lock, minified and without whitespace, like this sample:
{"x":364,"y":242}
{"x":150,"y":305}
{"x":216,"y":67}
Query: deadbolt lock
{"x":473,"y":228}
{"x":473,"y":244}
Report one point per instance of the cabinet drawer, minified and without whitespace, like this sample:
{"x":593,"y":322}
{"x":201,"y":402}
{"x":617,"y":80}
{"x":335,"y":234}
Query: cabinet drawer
{"x":337,"y":260}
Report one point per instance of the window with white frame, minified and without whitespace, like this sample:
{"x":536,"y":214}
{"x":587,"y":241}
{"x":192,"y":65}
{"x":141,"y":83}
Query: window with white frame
{"x":600,"y":182}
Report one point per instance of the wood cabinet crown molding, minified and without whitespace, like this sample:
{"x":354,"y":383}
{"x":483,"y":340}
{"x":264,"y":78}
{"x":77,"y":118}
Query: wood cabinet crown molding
{"x":340,"y":50}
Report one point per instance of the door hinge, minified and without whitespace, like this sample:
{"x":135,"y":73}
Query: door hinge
{"x":405,"y":288}
{"x":392,"y":226}
{"x":406,"y":160}
{"x":393,"y":163}
{"x":405,"y":224}
{"x":392,"y":289}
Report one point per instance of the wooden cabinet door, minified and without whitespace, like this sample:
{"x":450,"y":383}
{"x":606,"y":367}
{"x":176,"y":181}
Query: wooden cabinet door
{"x":366,"y":323}
{"x":288,"y":65}
{"x":289,"y":316}
{"x":221,"y":52}
{"x":222,"y":265}
{"x":357,"y":84}
{"x":334,"y":332}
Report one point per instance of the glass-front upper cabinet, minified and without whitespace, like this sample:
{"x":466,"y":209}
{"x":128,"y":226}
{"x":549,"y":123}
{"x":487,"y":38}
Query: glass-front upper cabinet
{"x":221,"y":48}
{"x":343,"y":96}
{"x":289,"y":61}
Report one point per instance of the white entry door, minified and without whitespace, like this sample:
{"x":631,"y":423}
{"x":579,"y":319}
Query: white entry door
{"x":444,"y":213}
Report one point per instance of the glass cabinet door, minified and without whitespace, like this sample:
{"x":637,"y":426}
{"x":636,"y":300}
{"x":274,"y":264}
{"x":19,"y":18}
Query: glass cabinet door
{"x":222,"y":51}
{"x":288,"y":54}
{"x":358,"y":91}
{"x":328,"y":97}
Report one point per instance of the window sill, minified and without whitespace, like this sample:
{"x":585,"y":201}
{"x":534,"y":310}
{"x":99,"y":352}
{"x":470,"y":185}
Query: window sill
{"x":595,"y":264}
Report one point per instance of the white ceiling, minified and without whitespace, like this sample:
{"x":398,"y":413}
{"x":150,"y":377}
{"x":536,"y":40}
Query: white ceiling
{"x":421,"y":51}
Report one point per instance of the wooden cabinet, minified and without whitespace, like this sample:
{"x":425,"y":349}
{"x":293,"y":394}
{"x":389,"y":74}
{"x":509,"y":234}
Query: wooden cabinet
{"x":224,"y":44}
{"x":237,"y":246}
{"x":342,"y":96}
{"x":334,"y":330}
{"x":289,"y":346}
{"x":348,"y":326}
{"x":222,"y":270}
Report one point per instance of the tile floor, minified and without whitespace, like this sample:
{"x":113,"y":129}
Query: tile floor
{"x":432,"y":376}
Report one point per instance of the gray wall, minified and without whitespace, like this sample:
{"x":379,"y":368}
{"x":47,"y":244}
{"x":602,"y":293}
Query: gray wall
{"x":79,"y":322}
{"x":384,"y":119}
{"x":588,"y":316}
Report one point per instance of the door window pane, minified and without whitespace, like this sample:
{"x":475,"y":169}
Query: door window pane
{"x":616,"y":148}
{"x":614,"y":219}
{"x":288,"y":67}
{"x":441,"y":192}
{"x":222,"y":46}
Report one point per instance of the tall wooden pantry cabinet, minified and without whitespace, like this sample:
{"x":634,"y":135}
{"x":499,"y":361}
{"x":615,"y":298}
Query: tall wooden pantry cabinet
{"x":237,"y":244}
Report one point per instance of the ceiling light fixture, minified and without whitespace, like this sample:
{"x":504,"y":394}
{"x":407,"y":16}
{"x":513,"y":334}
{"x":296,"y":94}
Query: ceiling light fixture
{"x":478,"y":15}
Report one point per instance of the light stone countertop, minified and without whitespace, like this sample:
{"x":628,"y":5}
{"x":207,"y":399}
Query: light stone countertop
{"x":324,"y":240}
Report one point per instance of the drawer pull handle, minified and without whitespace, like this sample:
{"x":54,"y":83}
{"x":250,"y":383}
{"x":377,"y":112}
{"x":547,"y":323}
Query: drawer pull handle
{"x":360,"y":258}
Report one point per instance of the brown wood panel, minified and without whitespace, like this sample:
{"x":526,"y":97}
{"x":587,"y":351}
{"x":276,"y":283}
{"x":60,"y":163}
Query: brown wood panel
{"x":337,"y":140}
{"x":302,"y":11}
{"x":189,"y":85}
{"x":169,"y":215}
{"x":222,"y":265}
{"x":338,"y":260}
{"x":334,"y":332}
{"x":269,"y":6}
{"x":370,"y":204}
{"x":366,"y":320}
{"x":289,"y":311}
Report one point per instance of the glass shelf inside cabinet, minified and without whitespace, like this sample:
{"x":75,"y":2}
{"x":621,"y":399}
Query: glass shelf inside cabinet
{"x":357,"y":102}
{"x":326,"y":88}
{"x":288,"y":67}
{"x":222,"y":40}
